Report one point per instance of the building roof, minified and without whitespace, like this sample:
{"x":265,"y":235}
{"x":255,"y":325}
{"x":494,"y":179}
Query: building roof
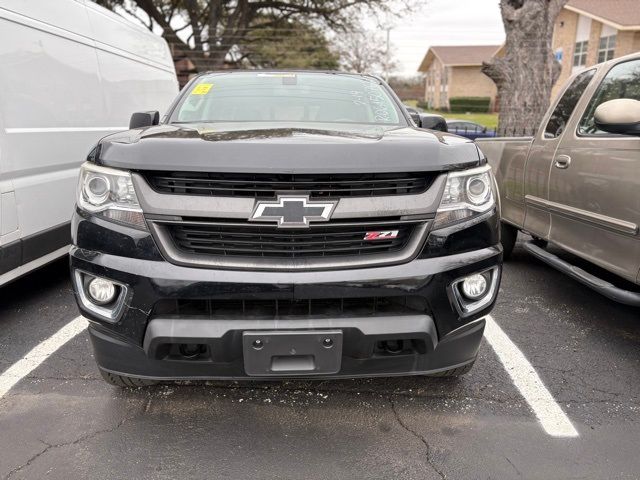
{"x":458,"y":56}
{"x":620,"y":14}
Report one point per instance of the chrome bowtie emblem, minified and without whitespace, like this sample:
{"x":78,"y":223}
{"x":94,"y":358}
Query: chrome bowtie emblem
{"x":292,"y":211}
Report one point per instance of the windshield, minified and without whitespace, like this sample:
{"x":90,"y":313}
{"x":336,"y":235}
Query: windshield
{"x":287,"y":97}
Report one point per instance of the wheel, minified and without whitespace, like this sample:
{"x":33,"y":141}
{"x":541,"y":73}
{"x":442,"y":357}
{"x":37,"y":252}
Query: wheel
{"x":508,"y":236}
{"x":122,"y":381}
{"x":455,"y":372}
{"x":539,"y":242}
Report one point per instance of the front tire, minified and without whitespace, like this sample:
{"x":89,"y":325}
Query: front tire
{"x":508,"y":236}
{"x":126,"y":382}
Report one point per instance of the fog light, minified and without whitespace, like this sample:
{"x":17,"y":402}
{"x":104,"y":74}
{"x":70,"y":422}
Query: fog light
{"x":475,"y":286}
{"x":101,"y":291}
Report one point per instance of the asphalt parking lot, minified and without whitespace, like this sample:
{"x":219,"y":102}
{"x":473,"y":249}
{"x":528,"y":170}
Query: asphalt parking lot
{"x":62,"y":421}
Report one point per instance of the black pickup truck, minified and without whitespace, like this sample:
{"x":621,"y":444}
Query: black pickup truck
{"x":284,"y":224}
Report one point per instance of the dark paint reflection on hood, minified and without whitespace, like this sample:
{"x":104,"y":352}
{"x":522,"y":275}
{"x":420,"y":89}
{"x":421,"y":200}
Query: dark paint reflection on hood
{"x":286,"y":148}
{"x":241,"y":131}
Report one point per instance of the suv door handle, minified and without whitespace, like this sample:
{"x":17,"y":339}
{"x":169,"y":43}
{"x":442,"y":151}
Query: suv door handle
{"x":563,"y":161}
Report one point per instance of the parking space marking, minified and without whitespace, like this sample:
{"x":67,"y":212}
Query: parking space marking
{"x":39,"y":354}
{"x":551,"y":416}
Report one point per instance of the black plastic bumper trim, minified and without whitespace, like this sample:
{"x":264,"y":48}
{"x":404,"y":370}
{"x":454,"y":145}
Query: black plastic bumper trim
{"x":33,"y":247}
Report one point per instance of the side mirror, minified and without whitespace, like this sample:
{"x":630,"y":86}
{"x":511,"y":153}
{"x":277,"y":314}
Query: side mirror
{"x":434,"y":122}
{"x":620,"y":116}
{"x":144,"y":119}
{"x":416,"y":118}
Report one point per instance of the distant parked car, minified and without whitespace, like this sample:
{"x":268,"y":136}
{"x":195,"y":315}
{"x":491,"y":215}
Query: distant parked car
{"x":430,"y":121}
{"x":471,"y":130}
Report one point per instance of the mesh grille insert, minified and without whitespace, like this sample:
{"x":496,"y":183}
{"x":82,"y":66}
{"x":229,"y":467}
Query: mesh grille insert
{"x":268,"y":241}
{"x":265,"y":185}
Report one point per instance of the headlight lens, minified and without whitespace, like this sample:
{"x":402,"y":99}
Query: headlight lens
{"x":109,"y":192}
{"x":468,"y":193}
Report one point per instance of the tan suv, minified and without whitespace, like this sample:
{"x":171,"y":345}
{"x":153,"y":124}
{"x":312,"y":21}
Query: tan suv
{"x":576,"y":184}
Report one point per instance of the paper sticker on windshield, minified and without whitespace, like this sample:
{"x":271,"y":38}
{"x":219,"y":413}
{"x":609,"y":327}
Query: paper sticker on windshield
{"x":202,"y":89}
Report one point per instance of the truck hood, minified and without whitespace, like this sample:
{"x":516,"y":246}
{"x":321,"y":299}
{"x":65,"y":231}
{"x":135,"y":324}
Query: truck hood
{"x":285,"y":148}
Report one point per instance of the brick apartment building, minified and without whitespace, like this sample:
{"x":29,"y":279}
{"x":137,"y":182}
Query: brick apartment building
{"x":587,"y":32}
{"x":454,"y":71}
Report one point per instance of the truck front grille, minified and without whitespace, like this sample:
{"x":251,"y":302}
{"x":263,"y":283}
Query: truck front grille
{"x":251,"y":240}
{"x":267,"y":185}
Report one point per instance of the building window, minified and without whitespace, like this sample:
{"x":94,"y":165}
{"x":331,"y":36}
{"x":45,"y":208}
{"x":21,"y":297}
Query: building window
{"x":607,"y":48}
{"x":580,"y":54}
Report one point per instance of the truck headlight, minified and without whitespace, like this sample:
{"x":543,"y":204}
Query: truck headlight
{"x":109,"y":193}
{"x":467,"y":194}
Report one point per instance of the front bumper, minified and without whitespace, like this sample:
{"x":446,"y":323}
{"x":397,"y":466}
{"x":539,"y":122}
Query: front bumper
{"x":136,"y":343}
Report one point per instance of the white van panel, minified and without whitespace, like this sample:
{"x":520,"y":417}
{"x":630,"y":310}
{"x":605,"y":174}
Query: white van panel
{"x":68,"y":15}
{"x":47,"y":80}
{"x":48,"y":83}
{"x":8,"y":214}
{"x":71,"y":72}
{"x":109,"y":29}
{"x":126,"y":83}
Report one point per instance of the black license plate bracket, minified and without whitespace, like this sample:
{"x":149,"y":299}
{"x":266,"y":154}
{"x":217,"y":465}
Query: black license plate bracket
{"x":292,"y":352}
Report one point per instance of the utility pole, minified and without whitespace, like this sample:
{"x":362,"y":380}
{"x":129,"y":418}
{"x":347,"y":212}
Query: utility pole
{"x":386,"y":55}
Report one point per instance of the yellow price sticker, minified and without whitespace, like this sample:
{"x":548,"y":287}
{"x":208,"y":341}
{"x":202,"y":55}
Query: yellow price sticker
{"x":202,"y":89}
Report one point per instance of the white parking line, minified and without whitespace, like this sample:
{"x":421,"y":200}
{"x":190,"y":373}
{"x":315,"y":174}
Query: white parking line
{"x":39,"y":354}
{"x":554,"y":421}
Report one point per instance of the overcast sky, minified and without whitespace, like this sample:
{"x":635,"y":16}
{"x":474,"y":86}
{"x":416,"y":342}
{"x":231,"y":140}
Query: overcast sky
{"x":445,"y":22}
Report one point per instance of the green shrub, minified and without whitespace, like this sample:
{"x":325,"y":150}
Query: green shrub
{"x":422,"y":105}
{"x":470,"y":104}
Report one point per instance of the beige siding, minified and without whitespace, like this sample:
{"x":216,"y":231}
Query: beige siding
{"x":433,"y":84}
{"x":460,"y":82}
{"x":564,"y":38}
{"x":626,"y":43}
{"x":471,"y":82}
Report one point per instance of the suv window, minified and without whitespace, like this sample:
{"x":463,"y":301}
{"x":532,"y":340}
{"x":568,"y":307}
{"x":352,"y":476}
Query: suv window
{"x":622,"y":81}
{"x":567,"y":104}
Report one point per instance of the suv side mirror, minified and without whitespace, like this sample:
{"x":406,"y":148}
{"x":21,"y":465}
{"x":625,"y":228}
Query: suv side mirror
{"x":619,"y":116}
{"x":415,"y":116}
{"x":434,"y":122}
{"x":144,"y":119}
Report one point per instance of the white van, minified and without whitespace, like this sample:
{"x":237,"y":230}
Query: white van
{"x":71,"y":72}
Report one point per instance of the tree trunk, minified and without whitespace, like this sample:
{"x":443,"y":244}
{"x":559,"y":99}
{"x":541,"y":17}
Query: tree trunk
{"x":527,"y":72}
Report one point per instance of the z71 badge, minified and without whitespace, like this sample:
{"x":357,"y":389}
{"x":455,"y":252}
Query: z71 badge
{"x":385,"y":235}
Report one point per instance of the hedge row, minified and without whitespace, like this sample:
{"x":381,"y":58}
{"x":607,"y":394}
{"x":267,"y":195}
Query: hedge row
{"x":470,"y":104}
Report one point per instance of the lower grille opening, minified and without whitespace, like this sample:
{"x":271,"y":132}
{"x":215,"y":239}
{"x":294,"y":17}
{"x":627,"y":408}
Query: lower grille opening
{"x":185,"y":352}
{"x":400,"y":346}
{"x":276,"y":308}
